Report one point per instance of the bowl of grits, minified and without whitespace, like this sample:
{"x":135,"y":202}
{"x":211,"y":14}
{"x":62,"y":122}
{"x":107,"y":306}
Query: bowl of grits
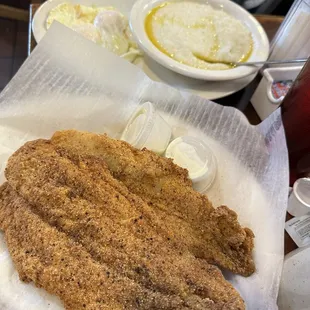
{"x":199,"y":39}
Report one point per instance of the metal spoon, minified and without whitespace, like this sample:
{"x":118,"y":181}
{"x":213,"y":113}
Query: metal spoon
{"x":253,"y":63}
{"x":268,"y":62}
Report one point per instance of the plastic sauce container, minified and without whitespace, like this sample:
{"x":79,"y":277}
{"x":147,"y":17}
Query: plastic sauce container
{"x":299,"y":200}
{"x":146,"y":128}
{"x":195,"y":156}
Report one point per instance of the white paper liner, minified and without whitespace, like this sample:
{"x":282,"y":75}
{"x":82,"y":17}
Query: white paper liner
{"x":69,"y":82}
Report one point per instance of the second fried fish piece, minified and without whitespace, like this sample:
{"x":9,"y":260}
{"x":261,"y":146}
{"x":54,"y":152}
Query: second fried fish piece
{"x":49,"y":258}
{"x":209,"y":233}
{"x":82,"y":200}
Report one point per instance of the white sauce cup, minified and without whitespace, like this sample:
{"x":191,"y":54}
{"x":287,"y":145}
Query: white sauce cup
{"x":146,"y":128}
{"x":299,"y":200}
{"x":195,"y":156}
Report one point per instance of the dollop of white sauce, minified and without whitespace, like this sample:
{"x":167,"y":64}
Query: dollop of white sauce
{"x":186,"y":156}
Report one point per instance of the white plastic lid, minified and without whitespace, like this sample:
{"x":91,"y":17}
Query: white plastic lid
{"x":299,"y":200}
{"x":301,"y":188}
{"x":195,"y":156}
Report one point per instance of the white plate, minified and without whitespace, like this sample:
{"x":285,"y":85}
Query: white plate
{"x":260,"y":41}
{"x":294,"y":293}
{"x":208,"y":90}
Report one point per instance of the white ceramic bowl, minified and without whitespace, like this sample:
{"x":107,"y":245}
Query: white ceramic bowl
{"x":260,"y":51}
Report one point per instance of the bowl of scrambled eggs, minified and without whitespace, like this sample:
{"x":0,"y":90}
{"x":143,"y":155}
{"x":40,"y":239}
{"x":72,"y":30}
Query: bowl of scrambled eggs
{"x":96,"y":20}
{"x":199,"y":39}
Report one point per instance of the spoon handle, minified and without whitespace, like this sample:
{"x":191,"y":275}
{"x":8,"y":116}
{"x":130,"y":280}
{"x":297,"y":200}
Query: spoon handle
{"x":271,"y":62}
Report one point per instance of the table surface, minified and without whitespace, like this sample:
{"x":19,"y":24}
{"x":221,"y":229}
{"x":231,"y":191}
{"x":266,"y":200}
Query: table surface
{"x":270,"y":24}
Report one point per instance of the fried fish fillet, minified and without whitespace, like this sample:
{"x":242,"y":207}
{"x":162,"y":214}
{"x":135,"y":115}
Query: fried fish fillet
{"x":55,"y":262}
{"x":209,"y":233}
{"x":90,"y":240}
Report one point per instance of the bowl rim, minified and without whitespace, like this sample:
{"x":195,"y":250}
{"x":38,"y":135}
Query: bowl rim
{"x":136,"y":22}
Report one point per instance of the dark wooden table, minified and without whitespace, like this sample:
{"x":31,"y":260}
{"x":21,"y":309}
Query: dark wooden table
{"x":270,"y":24}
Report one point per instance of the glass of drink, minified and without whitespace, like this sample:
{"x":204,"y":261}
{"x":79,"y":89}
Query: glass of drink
{"x":296,"y":120}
